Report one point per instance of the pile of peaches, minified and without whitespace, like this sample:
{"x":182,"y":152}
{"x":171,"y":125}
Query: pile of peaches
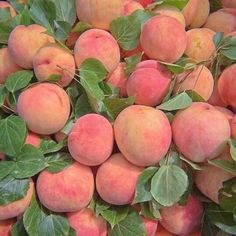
{"x":117,"y":117}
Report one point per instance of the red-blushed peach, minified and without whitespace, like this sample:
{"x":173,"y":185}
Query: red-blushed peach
{"x":60,"y":136}
{"x":227,"y":86}
{"x":210,"y":180}
{"x":229,"y":3}
{"x":183,"y":220}
{"x":99,"y":13}
{"x":163,"y":38}
{"x":189,"y":11}
{"x":7,"y":65}
{"x":228,"y":113}
{"x":200,"y":45}
{"x":199,"y":80}
{"x":67,"y":191}
{"x":195,"y":234}
{"x":98,"y":44}
{"x":232,"y":34}
{"x":6,"y":5}
{"x":143,"y":134}
{"x":148,"y":85}
{"x":233,"y":127}
{"x":25,"y":41}
{"x":195,"y":135}
{"x":90,"y":141}
{"x":85,"y":223}
{"x":150,"y":226}
{"x":161,"y":231}
{"x":118,"y":79}
{"x":116,"y":180}
{"x":2,"y":156}
{"x":215,"y":99}
{"x":5,"y":227}
{"x":44,"y":107}
{"x":131,"y":6}
{"x":33,"y":139}
{"x":144,"y":3}
{"x":18,"y":207}
{"x":54,"y":60}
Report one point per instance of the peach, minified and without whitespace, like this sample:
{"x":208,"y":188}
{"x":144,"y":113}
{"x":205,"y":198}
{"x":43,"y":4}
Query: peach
{"x":199,"y":80}
{"x":54,"y":60}
{"x":233,"y":127}
{"x":67,"y":191}
{"x":131,"y":6}
{"x":162,"y":231}
{"x":163,"y":38}
{"x":60,"y":136}
{"x":99,"y":13}
{"x":215,"y":99}
{"x":116,"y":180}
{"x":228,"y":114}
{"x":183,"y":220}
{"x":136,"y":130}
{"x":200,"y":45}
{"x":210,"y":180}
{"x":33,"y":139}
{"x":227,"y":86}
{"x":150,"y":226}
{"x":144,"y":3}
{"x":85,"y":222}
{"x":44,"y":107}
{"x":5,"y":227}
{"x":229,"y":3}
{"x":90,"y":141}
{"x":7,"y":65}
{"x":190,"y":10}
{"x":6,"y":5}
{"x":98,"y":44}
{"x":148,"y":85}
{"x":25,"y":41}
{"x":118,"y":79}
{"x":194,"y":137}
{"x":18,"y":207}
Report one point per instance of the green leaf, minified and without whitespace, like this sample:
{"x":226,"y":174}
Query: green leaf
{"x":174,"y":68}
{"x":176,"y":3}
{"x":29,"y":162}
{"x":12,"y":189}
{"x":109,"y":90}
{"x":168,"y":184}
{"x":25,"y":18}
{"x":215,"y":5}
{"x":50,"y":146}
{"x":18,"y":80}
{"x":54,"y":78}
{"x":195,"y":96}
{"x":13,"y":133}
{"x":192,"y":164}
{"x":132,"y":225}
{"x":150,"y":210}
{"x":131,"y":62}
{"x":58,"y":161}
{"x":232,"y":144}
{"x":230,"y":53}
{"x":72,"y":232}
{"x":217,"y":39}
{"x":18,"y":229}
{"x":6,"y":167}
{"x":228,"y":166}
{"x":5,"y":14}
{"x":3,"y":94}
{"x":81,"y":27}
{"x":54,"y":225}
{"x":82,"y":106}
{"x":5,"y":30}
{"x":62,"y":29}
{"x":98,"y":205}
{"x":177,"y":102}
{"x":143,"y":187}
{"x":208,"y":228}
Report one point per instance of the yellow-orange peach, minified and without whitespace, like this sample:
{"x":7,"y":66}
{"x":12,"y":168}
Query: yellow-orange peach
{"x":131,"y":6}
{"x":5,"y":227}
{"x":116,"y":180}
{"x":67,"y":191}
{"x":215,"y":99}
{"x":25,"y":41}
{"x":6,"y":5}
{"x":33,"y":139}
{"x":45,"y":108}
{"x":136,"y":130}
{"x":189,"y":11}
{"x":54,"y":60}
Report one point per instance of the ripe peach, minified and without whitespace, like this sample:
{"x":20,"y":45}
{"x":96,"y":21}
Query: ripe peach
{"x":18,"y":207}
{"x":215,"y":99}
{"x":131,"y":6}
{"x":136,"y":130}
{"x":183,"y":220}
{"x":163,"y":38}
{"x":85,"y":222}
{"x":99,"y":13}
{"x":116,"y":180}
{"x":145,"y":2}
{"x":5,"y":227}
{"x":7,"y":65}
{"x":90,"y":141}
{"x":199,"y":80}
{"x":33,"y":139}
{"x":54,"y":60}
{"x":227,"y":86}
{"x":162,"y":231}
{"x":228,"y":114}
{"x":59,"y":136}
{"x":25,"y":41}
{"x":229,"y":3}
{"x":100,"y":45}
{"x":189,"y":11}
{"x":200,"y":45}
{"x":233,"y":127}
{"x":194,"y":137}
{"x":6,"y":5}
{"x":150,"y":226}
{"x":45,"y":108}
{"x":67,"y":191}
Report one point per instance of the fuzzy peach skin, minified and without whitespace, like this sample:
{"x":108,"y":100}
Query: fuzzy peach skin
{"x":199,"y":80}
{"x":99,"y":13}
{"x":163,"y":38}
{"x":229,"y":3}
{"x":215,"y":99}
{"x":200,"y":45}
{"x":195,"y":134}
{"x":190,"y":11}
{"x":33,"y":139}
{"x":183,"y":220}
{"x":228,"y":113}
{"x":85,"y":222}
{"x":5,"y":227}
{"x":150,"y":226}
{"x":90,"y":141}
{"x":162,"y":231}
{"x":148,"y":85}
{"x":54,"y":60}
{"x":25,"y":41}
{"x":6,"y":5}
{"x":233,"y":127}
{"x":116,"y":180}
{"x":7,"y":65}
{"x":144,"y":3}
{"x":18,"y":207}
{"x":44,"y":107}
{"x":227,"y":86}
{"x":210,"y":180}
{"x":118,"y":79}
{"x":143,"y":134}
{"x":131,"y":6}
{"x":98,"y":44}
{"x":67,"y":191}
